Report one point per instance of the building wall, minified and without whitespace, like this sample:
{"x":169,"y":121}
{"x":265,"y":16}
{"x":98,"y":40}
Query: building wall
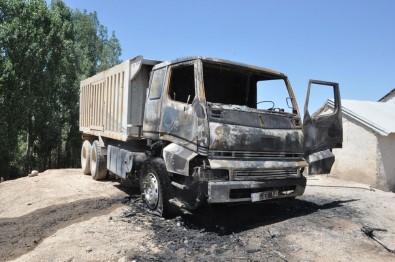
{"x":357,"y":160}
{"x":386,"y":163}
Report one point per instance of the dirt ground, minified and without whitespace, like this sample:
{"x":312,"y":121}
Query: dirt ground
{"x":63,"y":215}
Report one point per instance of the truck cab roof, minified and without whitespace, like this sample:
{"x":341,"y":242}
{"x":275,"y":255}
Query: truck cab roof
{"x":220,"y":61}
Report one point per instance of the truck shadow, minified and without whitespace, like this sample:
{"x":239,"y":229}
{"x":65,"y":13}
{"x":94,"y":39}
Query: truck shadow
{"x":223,"y":219}
{"x":20,"y":235}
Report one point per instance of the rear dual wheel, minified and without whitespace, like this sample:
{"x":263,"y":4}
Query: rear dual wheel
{"x":86,"y":157}
{"x":98,"y":162}
{"x":93,"y":160}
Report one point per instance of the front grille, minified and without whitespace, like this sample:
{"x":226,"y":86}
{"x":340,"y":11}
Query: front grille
{"x":255,"y":155}
{"x":241,"y":175}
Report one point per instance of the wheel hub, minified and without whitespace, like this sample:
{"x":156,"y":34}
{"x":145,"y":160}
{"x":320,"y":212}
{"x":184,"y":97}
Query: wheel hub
{"x":151,"y":188}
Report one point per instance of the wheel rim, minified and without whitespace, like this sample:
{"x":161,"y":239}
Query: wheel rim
{"x":151,"y":191}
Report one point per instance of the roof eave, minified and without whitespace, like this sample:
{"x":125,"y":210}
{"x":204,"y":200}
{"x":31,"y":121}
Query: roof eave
{"x":383,"y":99}
{"x":369,"y":124}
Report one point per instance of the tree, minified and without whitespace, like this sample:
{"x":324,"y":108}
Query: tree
{"x":23,"y":40}
{"x":44,"y":53}
{"x":95,"y":52}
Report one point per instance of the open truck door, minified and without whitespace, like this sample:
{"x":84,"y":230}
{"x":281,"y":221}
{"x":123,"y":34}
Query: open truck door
{"x":322,"y":129}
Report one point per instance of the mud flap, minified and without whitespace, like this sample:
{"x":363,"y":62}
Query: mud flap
{"x":321,"y":162}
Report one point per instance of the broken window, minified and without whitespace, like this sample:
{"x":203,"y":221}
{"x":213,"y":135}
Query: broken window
{"x":273,"y":95}
{"x":242,"y":86}
{"x":182,"y":83}
{"x":225,"y":85}
{"x":318,"y":100}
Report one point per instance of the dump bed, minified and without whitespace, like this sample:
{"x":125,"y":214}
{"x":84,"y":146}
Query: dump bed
{"x":112,"y":102}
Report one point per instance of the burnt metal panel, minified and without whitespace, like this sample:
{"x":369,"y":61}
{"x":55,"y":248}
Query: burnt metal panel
{"x":153,"y":107}
{"x":323,"y":131}
{"x":255,"y":165}
{"x":137,"y":95}
{"x":177,"y":159}
{"x":112,"y":156}
{"x":227,"y":137}
{"x":255,"y":175}
{"x":244,"y":116}
{"x":221,"y":61}
{"x":119,"y":161}
{"x":246,"y":155}
{"x":179,"y":120}
{"x":220,"y":191}
{"x":321,"y":162}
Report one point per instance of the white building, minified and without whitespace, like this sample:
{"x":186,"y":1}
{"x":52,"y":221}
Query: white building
{"x":368,"y":153}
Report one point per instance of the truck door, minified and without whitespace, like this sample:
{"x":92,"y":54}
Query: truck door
{"x":322,"y":129}
{"x":179,"y":121}
{"x":153,"y":104}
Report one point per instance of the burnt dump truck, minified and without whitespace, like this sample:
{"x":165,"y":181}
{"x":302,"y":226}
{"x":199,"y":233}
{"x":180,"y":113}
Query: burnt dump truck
{"x":202,"y":130}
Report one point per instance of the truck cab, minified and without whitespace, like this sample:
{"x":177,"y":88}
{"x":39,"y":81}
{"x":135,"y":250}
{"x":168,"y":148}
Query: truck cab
{"x":233,"y":132}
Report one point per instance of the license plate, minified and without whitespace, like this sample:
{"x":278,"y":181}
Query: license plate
{"x":260,"y":196}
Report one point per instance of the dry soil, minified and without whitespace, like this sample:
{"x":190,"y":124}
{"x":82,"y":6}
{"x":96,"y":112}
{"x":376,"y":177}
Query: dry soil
{"x":63,"y":215}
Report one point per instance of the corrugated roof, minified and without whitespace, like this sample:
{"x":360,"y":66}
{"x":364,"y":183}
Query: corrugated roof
{"x":378,"y":116}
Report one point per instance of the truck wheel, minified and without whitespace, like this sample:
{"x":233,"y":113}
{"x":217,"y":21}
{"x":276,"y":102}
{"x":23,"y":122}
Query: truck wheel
{"x":86,"y":157}
{"x":156,"y":187}
{"x":98,"y":162}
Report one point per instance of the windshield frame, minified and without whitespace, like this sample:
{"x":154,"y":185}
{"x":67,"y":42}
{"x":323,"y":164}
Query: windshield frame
{"x":248,"y":72}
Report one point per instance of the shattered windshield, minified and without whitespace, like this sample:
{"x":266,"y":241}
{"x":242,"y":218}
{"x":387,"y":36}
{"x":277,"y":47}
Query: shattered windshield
{"x":233,"y":85}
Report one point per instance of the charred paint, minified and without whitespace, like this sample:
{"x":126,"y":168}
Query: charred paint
{"x":240,"y":138}
{"x":323,"y":131}
{"x":245,"y":116}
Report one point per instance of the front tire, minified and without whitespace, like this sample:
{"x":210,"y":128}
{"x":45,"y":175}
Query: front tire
{"x":98,"y":162}
{"x":86,"y":157}
{"x":156,"y":188}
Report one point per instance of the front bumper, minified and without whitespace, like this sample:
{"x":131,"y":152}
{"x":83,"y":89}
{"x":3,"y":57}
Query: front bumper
{"x":241,"y":191}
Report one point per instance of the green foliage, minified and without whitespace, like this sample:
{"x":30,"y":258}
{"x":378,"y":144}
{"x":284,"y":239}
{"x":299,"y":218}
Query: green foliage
{"x":44,"y":52}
